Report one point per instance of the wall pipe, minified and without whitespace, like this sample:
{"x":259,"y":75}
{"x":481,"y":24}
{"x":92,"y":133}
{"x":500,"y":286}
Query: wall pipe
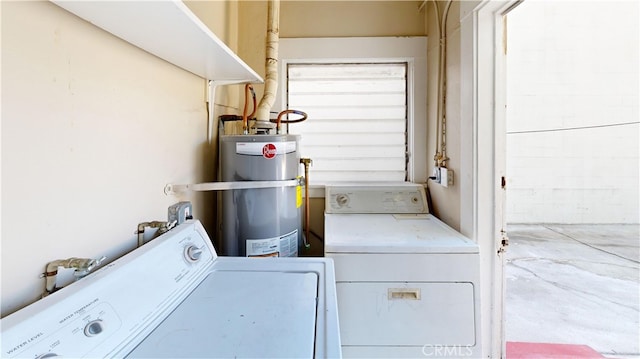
{"x":271,"y":65}
{"x":162,"y":226}
{"x":245,"y":118}
{"x":443,"y":110}
{"x":440,"y":156}
{"x":82,"y":267}
{"x":307,"y":206}
{"x":436,"y":156}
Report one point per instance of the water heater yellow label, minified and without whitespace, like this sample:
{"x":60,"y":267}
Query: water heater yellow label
{"x":298,"y":196}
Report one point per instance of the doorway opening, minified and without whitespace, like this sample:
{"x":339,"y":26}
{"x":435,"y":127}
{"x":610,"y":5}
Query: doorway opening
{"x":572,"y":158}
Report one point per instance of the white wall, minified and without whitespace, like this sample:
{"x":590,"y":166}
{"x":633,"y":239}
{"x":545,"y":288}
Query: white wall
{"x":92,"y":130}
{"x":573,"y":65}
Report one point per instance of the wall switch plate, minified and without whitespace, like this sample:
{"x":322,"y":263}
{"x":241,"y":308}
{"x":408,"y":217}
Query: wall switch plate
{"x":446,"y":177}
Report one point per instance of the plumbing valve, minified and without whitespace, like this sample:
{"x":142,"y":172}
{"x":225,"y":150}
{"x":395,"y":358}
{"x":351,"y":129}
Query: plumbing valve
{"x":162,"y":227}
{"x":82,"y":266}
{"x":86,"y":265}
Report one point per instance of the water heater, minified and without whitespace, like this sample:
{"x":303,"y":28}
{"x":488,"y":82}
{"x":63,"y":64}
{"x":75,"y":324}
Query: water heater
{"x":261,"y":222}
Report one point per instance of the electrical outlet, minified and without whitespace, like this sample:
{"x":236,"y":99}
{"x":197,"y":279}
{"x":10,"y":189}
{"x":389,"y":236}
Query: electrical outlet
{"x":446,"y":177}
{"x":436,"y":175}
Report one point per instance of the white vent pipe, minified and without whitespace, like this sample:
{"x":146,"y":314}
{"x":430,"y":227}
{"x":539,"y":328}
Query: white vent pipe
{"x":271,"y":61}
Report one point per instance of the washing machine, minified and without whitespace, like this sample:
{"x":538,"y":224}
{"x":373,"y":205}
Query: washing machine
{"x":407,"y":283}
{"x":175,"y":298}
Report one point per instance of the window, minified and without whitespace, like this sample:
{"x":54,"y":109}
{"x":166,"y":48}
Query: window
{"x":358,"y":119}
{"x":366,"y":101}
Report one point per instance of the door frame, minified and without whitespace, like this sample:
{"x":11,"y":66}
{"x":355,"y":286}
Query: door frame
{"x":483,"y":139}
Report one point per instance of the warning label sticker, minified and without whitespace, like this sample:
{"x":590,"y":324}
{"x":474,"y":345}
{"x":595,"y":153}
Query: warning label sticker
{"x":298,"y":195}
{"x":282,"y":246}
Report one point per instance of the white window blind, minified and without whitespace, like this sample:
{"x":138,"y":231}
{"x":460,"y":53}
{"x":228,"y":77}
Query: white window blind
{"x":357,"y":120}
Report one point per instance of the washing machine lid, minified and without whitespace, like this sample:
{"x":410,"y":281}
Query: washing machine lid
{"x":240,"y":314}
{"x":392,"y":233}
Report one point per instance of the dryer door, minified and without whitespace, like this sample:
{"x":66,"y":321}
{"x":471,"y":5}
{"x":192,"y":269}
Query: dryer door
{"x":406,"y":314}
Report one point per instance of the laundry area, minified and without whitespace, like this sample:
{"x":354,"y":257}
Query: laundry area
{"x":267,"y":179}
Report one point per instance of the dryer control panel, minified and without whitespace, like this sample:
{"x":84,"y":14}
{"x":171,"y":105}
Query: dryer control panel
{"x":376,"y":198}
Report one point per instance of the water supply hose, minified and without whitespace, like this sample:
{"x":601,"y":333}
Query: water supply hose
{"x":161,"y":225}
{"x":82,"y":267}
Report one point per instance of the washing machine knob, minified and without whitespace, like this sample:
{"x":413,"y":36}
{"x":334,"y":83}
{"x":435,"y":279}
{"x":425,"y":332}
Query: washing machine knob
{"x":342,"y":200}
{"x":93,"y":328}
{"x":193,"y":253}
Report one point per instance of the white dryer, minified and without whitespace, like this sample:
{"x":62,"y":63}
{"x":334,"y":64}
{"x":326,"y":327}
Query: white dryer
{"x":175,"y":298}
{"x":407,"y":284}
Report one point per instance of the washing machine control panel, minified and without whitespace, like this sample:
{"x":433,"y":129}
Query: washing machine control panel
{"x":100,"y":315}
{"x":376,"y":198}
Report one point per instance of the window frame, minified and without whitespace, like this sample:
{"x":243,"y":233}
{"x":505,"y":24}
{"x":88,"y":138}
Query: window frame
{"x":411,"y":50}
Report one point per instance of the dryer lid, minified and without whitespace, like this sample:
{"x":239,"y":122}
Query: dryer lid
{"x":392,"y":233}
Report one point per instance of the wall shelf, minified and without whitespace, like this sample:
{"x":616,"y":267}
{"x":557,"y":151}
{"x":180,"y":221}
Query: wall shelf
{"x":170,"y":31}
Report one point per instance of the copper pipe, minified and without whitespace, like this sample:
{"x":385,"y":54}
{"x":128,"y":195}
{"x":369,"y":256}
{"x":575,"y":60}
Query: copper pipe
{"x":307,"y":209}
{"x":285,"y":112}
{"x":245,"y":118}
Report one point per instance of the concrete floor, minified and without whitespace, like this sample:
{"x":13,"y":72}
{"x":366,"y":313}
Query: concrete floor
{"x":575,"y":284}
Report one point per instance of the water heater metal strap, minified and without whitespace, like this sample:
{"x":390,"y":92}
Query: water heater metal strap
{"x":225,"y":186}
